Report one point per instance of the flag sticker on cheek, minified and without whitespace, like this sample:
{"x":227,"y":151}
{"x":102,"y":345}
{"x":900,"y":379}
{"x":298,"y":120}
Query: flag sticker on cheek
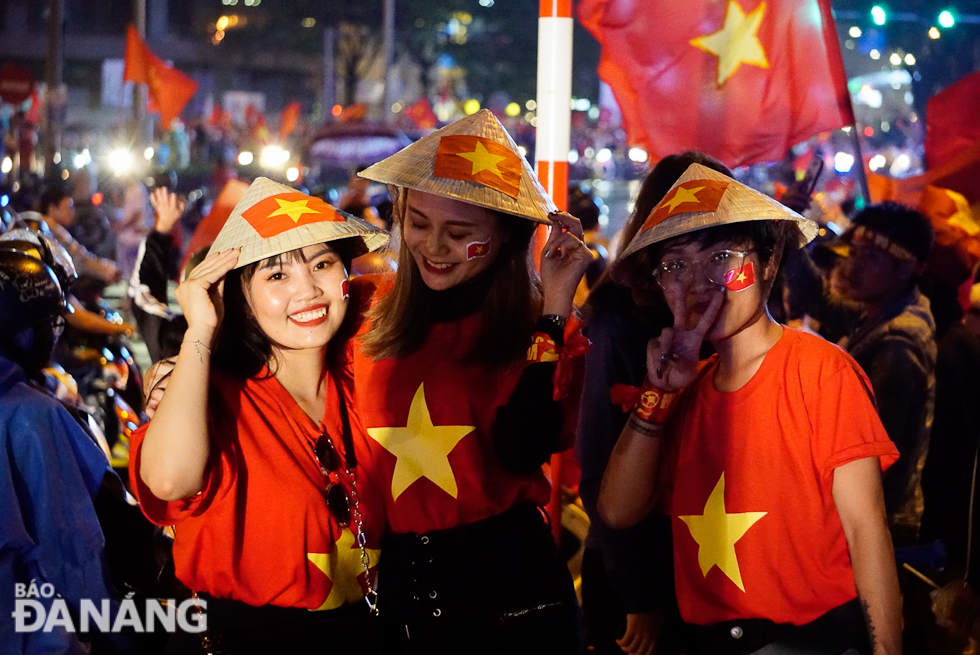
{"x":476,"y":249}
{"x":345,"y":289}
{"x":740,"y":279}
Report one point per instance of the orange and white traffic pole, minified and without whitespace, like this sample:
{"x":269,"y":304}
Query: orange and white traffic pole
{"x":552,"y":144}
{"x":553,"y":136}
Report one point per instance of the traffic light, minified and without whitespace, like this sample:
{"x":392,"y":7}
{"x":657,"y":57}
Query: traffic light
{"x":946,"y":19}
{"x":878,"y":15}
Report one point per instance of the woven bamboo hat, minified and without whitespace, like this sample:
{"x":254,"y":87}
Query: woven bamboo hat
{"x":473,"y":160}
{"x":272,"y":218}
{"x":702,"y":198}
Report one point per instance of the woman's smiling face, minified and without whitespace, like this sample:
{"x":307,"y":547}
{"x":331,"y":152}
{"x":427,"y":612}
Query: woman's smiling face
{"x":451,"y":241}
{"x":299,"y":298}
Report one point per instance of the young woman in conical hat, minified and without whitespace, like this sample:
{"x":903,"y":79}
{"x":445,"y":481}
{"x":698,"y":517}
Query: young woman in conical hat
{"x":767,"y":456}
{"x":455,"y":378}
{"x":252,"y":452}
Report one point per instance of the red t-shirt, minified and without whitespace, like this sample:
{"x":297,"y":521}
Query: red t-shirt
{"x":756,"y":530}
{"x":260,"y":531}
{"x":429,"y":420}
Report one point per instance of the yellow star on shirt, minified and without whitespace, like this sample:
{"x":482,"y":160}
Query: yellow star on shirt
{"x":344,"y":563}
{"x":717,"y":531}
{"x":293,"y":208}
{"x":683,"y":195}
{"x":737,"y":42}
{"x":422,"y":449}
{"x":483,"y":160}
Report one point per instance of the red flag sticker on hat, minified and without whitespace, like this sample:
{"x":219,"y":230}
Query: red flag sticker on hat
{"x":284,"y":211}
{"x":740,"y":279}
{"x":476,"y":159}
{"x":693,"y":196}
{"x":476,"y":249}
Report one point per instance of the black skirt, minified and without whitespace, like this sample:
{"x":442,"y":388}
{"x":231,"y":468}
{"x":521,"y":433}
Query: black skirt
{"x":237,"y":628}
{"x":495,"y":586}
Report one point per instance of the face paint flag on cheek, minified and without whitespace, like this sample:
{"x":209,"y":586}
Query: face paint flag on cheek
{"x":476,"y":249}
{"x":345,"y":289}
{"x":740,"y":279}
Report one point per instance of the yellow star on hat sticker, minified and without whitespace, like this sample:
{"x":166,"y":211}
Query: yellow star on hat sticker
{"x":483,"y":160}
{"x":344,"y":564}
{"x":293,"y":208}
{"x":422,"y":448}
{"x":737,"y":42}
{"x":717,"y":531}
{"x":683,"y":195}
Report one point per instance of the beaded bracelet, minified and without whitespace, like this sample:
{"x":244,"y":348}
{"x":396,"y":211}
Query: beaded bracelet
{"x":196,"y":343}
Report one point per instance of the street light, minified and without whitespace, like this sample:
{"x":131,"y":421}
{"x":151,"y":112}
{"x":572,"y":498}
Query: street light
{"x":878,"y":15}
{"x":946,"y":19}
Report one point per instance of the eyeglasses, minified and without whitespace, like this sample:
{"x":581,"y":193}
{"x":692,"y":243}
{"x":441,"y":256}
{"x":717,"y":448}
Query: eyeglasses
{"x":329,"y":460}
{"x":720,"y":267}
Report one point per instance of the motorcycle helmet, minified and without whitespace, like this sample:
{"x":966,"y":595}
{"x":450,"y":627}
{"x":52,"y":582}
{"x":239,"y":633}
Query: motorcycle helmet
{"x":29,"y":293}
{"x":43,"y":247}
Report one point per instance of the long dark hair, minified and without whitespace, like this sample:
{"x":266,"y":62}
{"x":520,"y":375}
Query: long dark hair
{"x":403,"y":317}
{"x":241,"y":348}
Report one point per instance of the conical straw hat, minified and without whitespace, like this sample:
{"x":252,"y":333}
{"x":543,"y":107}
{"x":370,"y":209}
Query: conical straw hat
{"x":473,"y":160}
{"x":699,"y":199}
{"x":272,"y":218}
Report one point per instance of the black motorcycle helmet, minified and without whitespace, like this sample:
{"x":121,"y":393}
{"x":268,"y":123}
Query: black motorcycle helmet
{"x":30,"y":293}
{"x":40,"y":245}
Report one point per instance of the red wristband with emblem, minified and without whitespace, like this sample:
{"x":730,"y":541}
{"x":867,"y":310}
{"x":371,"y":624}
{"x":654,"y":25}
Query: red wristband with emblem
{"x":654,"y":405}
{"x":543,"y":349}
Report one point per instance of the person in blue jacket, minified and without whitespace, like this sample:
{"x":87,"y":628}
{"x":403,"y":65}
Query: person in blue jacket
{"x":50,"y":471}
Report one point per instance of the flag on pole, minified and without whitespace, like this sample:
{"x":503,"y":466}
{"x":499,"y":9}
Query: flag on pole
{"x":170,"y":90}
{"x":288,"y":120}
{"x":742,"y":80}
{"x":952,"y":127}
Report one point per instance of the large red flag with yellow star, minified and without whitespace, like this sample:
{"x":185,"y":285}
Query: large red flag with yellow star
{"x":170,"y":90}
{"x":742,"y":80}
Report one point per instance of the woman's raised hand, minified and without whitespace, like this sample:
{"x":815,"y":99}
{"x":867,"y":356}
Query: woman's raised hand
{"x":672,"y":358}
{"x":563,"y":262}
{"x":168,"y":208}
{"x":200,"y":295}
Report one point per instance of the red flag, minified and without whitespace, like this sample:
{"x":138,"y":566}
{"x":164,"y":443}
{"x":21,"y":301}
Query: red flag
{"x":170,"y":89}
{"x":476,"y":249}
{"x":422,"y":115}
{"x":951,"y":121}
{"x":740,"y":279}
{"x":284,"y":211}
{"x":134,"y":69}
{"x":742,"y":80}
{"x":288,"y":120}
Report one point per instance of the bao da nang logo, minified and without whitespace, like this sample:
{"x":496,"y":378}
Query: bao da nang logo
{"x":39,"y":608}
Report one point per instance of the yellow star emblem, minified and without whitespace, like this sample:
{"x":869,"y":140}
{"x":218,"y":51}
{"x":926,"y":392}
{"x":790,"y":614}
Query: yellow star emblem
{"x":342,"y":566}
{"x":292,"y":208}
{"x":422,"y":449}
{"x":683,"y":195}
{"x":737,"y":42}
{"x":483,"y":160}
{"x":742,"y":277}
{"x":716,"y":532}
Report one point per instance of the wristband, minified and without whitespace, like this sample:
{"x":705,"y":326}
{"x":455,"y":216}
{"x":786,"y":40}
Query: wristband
{"x":654,"y":405}
{"x":543,"y":349}
{"x":558,"y":320}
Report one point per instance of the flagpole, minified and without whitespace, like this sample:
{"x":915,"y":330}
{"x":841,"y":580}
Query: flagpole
{"x":140,"y":91}
{"x":862,"y":175}
{"x":553,"y":137}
